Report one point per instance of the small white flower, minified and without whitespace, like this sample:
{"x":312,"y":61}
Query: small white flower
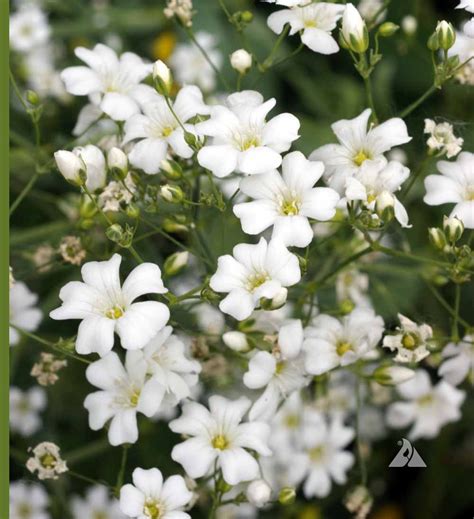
{"x":458,"y":361}
{"x":219,"y":437}
{"x":314,"y":22}
{"x":29,"y":29}
{"x":370,"y":8}
{"x":358,"y":144}
{"x":88,"y":159}
{"x":96,"y":505}
{"x":117,"y":195}
{"x":410,"y":342}
{"x":209,"y":319}
{"x":454,"y":185}
{"x":442,"y":138}
{"x":241,"y":60}
{"x":23,"y":311}
{"x":330,"y":343}
{"x":464,"y":48}
{"x":252,"y":273}
{"x":427,"y":407}
{"x":354,"y":30}
{"x":258,"y":493}
{"x":46,"y":461}
{"x":151,"y":497}
{"x":108,"y":80}
{"x":287,"y":201}
{"x":158,"y":131}
{"x":242,"y":139}
{"x":280,"y":372}
{"x":28,"y":501}
{"x":124,"y":392}
{"x":104,"y":306}
{"x":25,"y":407}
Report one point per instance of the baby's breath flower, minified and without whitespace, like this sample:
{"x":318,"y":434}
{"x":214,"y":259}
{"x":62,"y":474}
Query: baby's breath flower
{"x":71,"y":250}
{"x":442,"y":139}
{"x":45,"y":371}
{"x":117,"y":195}
{"x":182,"y":9}
{"x":47,"y":461}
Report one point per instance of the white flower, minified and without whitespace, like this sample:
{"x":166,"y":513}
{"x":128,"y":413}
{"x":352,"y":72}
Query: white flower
{"x":442,"y":138}
{"x":464,"y":48}
{"x":469,"y":28}
{"x":330,"y":343}
{"x":241,"y":60}
{"x":252,"y":273}
{"x":46,"y":461}
{"x":166,"y":362}
{"x":189,"y":65}
{"x":124,"y":392}
{"x":29,"y":29}
{"x":458,"y":361}
{"x":105,"y":307}
{"x":357,"y":144}
{"x":151,"y":497}
{"x":375,"y":181}
{"x":108,"y":80}
{"x":117,"y":195}
{"x":454,"y":185}
{"x":25,"y":407}
{"x":157,"y":130}
{"x":23,"y":312}
{"x":218,"y":437}
{"x":427,"y":407}
{"x":242,"y":140}
{"x":323,"y":457}
{"x":287,"y":201}
{"x":96,"y":505}
{"x":370,"y":8}
{"x":410,"y":342}
{"x":354,"y":30}
{"x":209,"y":319}
{"x":258,"y":493}
{"x":88,"y":159}
{"x":352,"y":285}
{"x":466,"y":4}
{"x":280,"y":372}
{"x":28,"y":501}
{"x":314,"y":22}
{"x":288,"y":3}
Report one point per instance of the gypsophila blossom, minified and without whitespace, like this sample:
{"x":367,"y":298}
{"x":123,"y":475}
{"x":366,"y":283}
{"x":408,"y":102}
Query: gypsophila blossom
{"x":117,"y":195}
{"x":46,"y":369}
{"x":409,"y":24}
{"x":254,"y":272}
{"x":71,"y":250}
{"x":105,"y":307}
{"x":242,"y":140}
{"x":410,"y":342}
{"x":287,"y":201}
{"x":372,"y":10}
{"x":454,"y":185}
{"x":28,"y":501}
{"x":151,"y":497}
{"x":181,"y":9}
{"x":358,"y":143}
{"x":23,"y":311}
{"x":29,"y":29}
{"x":25,"y":409}
{"x":97,"y":504}
{"x":458,"y":361}
{"x":219,"y":436}
{"x":46,"y":461}
{"x":314,"y":22}
{"x":427,"y":407}
{"x":83,"y":165}
{"x":442,"y":139}
{"x":330,"y":343}
{"x":464,"y":48}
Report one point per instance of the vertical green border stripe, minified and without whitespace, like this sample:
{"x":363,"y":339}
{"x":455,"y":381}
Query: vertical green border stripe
{"x":4,"y":250}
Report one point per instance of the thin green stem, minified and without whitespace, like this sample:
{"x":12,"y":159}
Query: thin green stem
{"x":447,"y":306}
{"x":178,"y":120}
{"x":268,"y":62}
{"x":457,"y":301}
{"x":29,"y":186}
{"x":360,"y":454}
{"x":87,"y":479}
{"x":121,"y":473}
{"x":370,"y":98}
{"x":409,"y":109}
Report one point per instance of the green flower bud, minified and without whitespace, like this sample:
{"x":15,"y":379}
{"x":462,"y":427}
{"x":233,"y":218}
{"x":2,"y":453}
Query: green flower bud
{"x":287,"y":496}
{"x":115,"y":233}
{"x":437,"y":238}
{"x":388,"y":29}
{"x":453,"y":228}
{"x":175,"y":263}
{"x":172,"y":194}
{"x":171,"y":169}
{"x":446,"y":35}
{"x":246,"y":16}
{"x":32,"y":97}
{"x":433,"y":42}
{"x":392,"y":375}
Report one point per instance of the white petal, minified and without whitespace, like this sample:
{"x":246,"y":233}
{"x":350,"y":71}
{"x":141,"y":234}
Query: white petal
{"x":265,"y":407}
{"x":290,"y":339}
{"x":175,"y":494}
{"x":387,"y":135}
{"x":81,"y":81}
{"x":150,"y":482}
{"x":441,"y":190}
{"x":259,"y":159}
{"x":148,"y":155}
{"x":195,"y":455}
{"x":132,"y":501}
{"x":104,"y":276}
{"x":293,"y":231}
{"x":319,"y":41}
{"x":123,"y":428}
{"x":151,"y":397}
{"x":237,"y":466}
{"x":281,"y":264}
{"x":105,"y":372}
{"x":230,"y":274}
{"x":465,"y":212}
{"x":261,"y":369}
{"x":144,"y":279}
{"x":220,"y":159}
{"x":119,"y":107}
{"x":256,"y":216}
{"x":95,"y":334}
{"x":101,"y":408}
{"x":280,"y":132}
{"x":239,"y":304}
{"x":320,"y":203}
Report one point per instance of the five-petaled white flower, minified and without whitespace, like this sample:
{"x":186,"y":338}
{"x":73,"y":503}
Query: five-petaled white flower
{"x":105,"y":307}
{"x":152,"y":498}
{"x":23,"y":312}
{"x":108,"y":80}
{"x":280,"y":372}
{"x":252,"y":273}
{"x":29,"y":29}
{"x":458,"y":361}
{"x":330,"y":343}
{"x":96,"y":505}
{"x":427,"y":407}
{"x":25,"y":407}
{"x":219,"y":437}
{"x":358,"y":144}
{"x":157,"y":130}
{"x":410,"y":342}
{"x":124,"y":392}
{"x":287,"y":201}
{"x":454,"y":185}
{"x":242,"y":140}
{"x":28,"y":501}
{"x":314,"y":22}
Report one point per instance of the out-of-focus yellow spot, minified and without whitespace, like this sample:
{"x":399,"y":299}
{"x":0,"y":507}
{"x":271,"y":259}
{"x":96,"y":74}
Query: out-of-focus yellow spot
{"x":163,"y":45}
{"x":310,"y":512}
{"x":387,"y":512}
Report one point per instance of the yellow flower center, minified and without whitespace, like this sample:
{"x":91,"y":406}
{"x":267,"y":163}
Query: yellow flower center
{"x":152,"y":510}
{"x":371,"y":198}
{"x":290,"y":207}
{"x":115,"y":312}
{"x":250,"y":142}
{"x":410,"y":341}
{"x":292,"y":421}
{"x":343,"y":347}
{"x":256,"y":280}
{"x":100,"y":515}
{"x":48,"y":461}
{"x":166,"y":132}
{"x":316,"y":453}
{"x":24,"y":511}
{"x":309,"y":24}
{"x":220,"y":442}
{"x":425,"y":400}
{"x":361,"y":157}
{"x":279,"y":367}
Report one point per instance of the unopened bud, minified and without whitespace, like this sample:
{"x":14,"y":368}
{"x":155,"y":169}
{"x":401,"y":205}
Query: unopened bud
{"x":258,"y":493}
{"x":453,"y":228}
{"x":354,"y":30}
{"x":170,"y":225}
{"x":172,"y":194}
{"x":32,"y":97}
{"x":287,"y":496}
{"x":241,"y":60}
{"x":437,"y":238}
{"x":388,"y":29}
{"x":71,"y":167}
{"x":276,"y":302}
{"x":446,"y":35}
{"x":117,"y":162}
{"x":115,"y":233}
{"x":433,"y":42}
{"x":409,"y":25}
{"x":133,"y":211}
{"x":175,"y":263}
{"x":162,"y":78}
{"x":385,"y":206}
{"x":171,"y":169}
{"x":236,"y":341}
{"x":392,"y":375}
{"x":246,"y":16}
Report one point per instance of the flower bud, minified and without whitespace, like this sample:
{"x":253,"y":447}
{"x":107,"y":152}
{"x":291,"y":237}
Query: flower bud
{"x":171,"y":225}
{"x":114,"y":233}
{"x":118,"y":162}
{"x":437,"y":238}
{"x":258,"y":493}
{"x":446,"y":35}
{"x":32,"y":97}
{"x":354,"y":30}
{"x":392,"y":375}
{"x":71,"y":167}
{"x":276,"y":302}
{"x":287,"y":496}
{"x":175,"y":263}
{"x":162,"y":78}
{"x":385,"y":206}
{"x":236,"y":341}
{"x":171,"y":169}
{"x":453,"y":228}
{"x":133,"y":211}
{"x":433,"y":42}
{"x":388,"y":29}
{"x":246,"y":16}
{"x":409,"y":25}
{"x":241,"y":61}
{"x":172,"y":194}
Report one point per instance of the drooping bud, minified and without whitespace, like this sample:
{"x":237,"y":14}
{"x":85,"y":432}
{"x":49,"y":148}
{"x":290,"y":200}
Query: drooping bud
{"x":385,"y":206}
{"x":241,"y":60}
{"x":354,"y":30}
{"x":172,"y":194}
{"x":171,"y":169}
{"x":175,"y":263}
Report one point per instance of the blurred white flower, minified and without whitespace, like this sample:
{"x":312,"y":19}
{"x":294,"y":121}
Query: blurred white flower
{"x":409,"y":24}
{"x":258,"y":493}
{"x":29,"y":29}
{"x":97,"y":504}
{"x":442,"y":139}
{"x":352,"y":285}
{"x":410,"y":342}
{"x":468,"y":5}
{"x":372,"y":10}
{"x":23,"y":311}
{"x":104,"y":306}
{"x":464,"y":48}
{"x":28,"y":501}
{"x":458,"y":361}
{"x":242,"y":140}
{"x":25,"y":407}
{"x":219,"y":438}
